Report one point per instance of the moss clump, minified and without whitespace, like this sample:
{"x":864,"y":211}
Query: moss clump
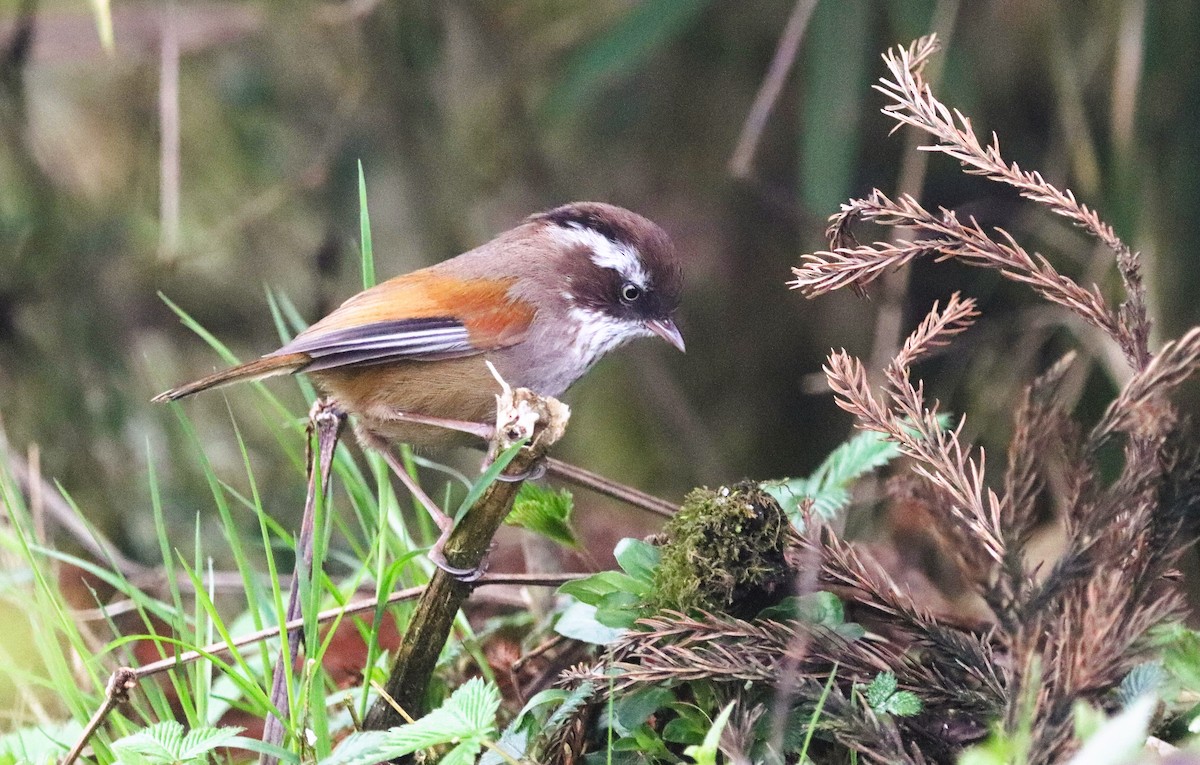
{"x":724,"y":552}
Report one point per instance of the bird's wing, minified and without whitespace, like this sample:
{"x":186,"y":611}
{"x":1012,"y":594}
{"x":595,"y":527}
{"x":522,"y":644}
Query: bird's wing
{"x":420,"y":316}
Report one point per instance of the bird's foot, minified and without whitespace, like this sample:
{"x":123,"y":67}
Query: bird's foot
{"x":535,"y":472}
{"x":438,"y":557}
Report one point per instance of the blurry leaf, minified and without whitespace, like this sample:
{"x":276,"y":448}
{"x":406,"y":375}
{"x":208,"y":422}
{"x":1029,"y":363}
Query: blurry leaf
{"x":1181,"y":654}
{"x":622,"y":49}
{"x":706,"y":753}
{"x":632,"y":709}
{"x":820,"y":608}
{"x":579,"y":622}
{"x":1121,"y":739}
{"x":102,"y":9}
{"x":903,"y":704}
{"x":45,"y":743}
{"x":544,"y":511}
{"x":638,"y":559}
{"x":884,"y":698}
{"x":1146,"y":678}
{"x":646,"y":742}
{"x":683,"y":730}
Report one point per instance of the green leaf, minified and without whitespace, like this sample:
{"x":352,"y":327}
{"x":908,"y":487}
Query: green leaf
{"x":638,"y":559}
{"x":684,"y":730}
{"x":903,"y":704}
{"x":488,"y":477}
{"x":45,"y":743}
{"x":632,"y":709}
{"x":820,"y":608}
{"x":1121,"y":739}
{"x":706,"y":753}
{"x":579,"y":622}
{"x":168,"y":742}
{"x":467,"y":717}
{"x":880,"y":689}
{"x":828,"y":486}
{"x":544,"y":511}
{"x":594,"y":588}
{"x":364,"y":227}
{"x":1181,"y":654}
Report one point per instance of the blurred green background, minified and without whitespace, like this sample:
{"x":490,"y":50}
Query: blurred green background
{"x":211,"y":156}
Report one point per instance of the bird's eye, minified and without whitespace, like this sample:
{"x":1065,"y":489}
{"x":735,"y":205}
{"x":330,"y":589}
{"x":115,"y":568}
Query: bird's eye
{"x":630,"y":292}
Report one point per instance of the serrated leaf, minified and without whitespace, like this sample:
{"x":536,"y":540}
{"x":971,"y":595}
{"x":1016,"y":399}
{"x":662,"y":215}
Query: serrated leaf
{"x":467,"y":716}
{"x":577,"y":698}
{"x":544,"y":511}
{"x":883,"y":686}
{"x":903,"y":704}
{"x":828,"y":485}
{"x":1147,"y":677}
{"x":170,"y":742}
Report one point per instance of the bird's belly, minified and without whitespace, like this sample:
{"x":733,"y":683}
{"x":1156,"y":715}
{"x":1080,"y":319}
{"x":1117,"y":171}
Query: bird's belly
{"x":453,"y":389}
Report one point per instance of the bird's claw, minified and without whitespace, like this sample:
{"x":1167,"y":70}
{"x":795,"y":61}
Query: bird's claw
{"x":532,"y":474}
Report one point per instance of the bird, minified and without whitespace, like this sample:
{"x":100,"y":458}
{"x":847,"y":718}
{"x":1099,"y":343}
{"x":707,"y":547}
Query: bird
{"x":541,"y":303}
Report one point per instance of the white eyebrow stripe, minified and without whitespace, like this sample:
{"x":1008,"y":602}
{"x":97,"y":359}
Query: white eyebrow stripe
{"x":605,"y":252}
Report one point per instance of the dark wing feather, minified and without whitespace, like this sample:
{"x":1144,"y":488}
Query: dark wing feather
{"x":424,"y":339}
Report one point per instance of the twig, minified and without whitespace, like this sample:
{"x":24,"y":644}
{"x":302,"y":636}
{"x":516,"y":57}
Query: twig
{"x":119,"y":685}
{"x":586,"y":479}
{"x":772,"y":85}
{"x":122,"y":677}
{"x":521,"y":416}
{"x":325,"y":420}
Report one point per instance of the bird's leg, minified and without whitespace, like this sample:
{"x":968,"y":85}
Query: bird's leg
{"x":480,"y":429}
{"x":444,"y":522}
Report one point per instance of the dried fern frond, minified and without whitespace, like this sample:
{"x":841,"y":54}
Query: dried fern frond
{"x":1076,"y":633}
{"x":1139,"y":408}
{"x":913,"y":103}
{"x":903,"y":416}
{"x":946,"y":237}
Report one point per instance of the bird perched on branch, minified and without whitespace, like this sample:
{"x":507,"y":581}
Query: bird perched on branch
{"x":542,"y":302}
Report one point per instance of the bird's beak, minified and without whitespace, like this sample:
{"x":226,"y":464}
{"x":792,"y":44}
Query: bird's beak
{"x":666,"y":329}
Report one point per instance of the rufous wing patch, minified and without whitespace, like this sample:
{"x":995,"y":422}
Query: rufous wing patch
{"x":422,"y":315}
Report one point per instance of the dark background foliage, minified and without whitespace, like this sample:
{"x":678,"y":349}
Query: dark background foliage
{"x":468,"y":116}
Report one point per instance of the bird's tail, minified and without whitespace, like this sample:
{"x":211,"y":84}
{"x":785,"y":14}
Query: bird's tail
{"x":267,"y":366}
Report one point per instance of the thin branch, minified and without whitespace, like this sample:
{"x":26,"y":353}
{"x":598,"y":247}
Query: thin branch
{"x":741,"y":163}
{"x":608,"y":487}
